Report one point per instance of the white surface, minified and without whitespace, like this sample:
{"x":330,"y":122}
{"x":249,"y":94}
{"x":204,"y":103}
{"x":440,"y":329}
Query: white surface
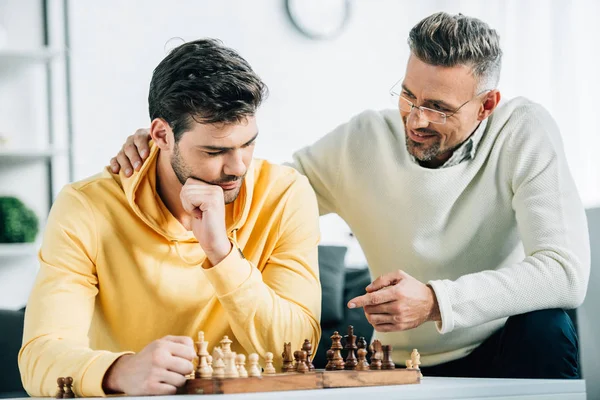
{"x":430,"y":388}
{"x":19,"y":57}
{"x":18,"y":249}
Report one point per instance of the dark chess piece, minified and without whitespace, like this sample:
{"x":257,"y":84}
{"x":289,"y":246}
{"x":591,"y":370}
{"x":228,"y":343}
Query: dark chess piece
{"x":376,"y":355}
{"x":336,"y":346}
{"x":307,"y":347}
{"x":388,"y":363}
{"x":296,"y":360}
{"x":69,"y":388}
{"x":362,"y":364}
{"x":351,"y":361}
{"x":288,"y":361}
{"x":330,"y":363}
{"x":302,"y":367}
{"x":61,"y":388}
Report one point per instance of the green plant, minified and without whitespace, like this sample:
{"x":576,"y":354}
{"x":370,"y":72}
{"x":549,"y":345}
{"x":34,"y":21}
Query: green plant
{"x":18,"y":224}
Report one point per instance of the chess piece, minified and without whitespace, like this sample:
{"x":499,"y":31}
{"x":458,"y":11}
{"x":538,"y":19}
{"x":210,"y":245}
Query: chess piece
{"x":376,"y":355}
{"x":302,"y":366}
{"x":387,"y":363}
{"x":288,"y":361}
{"x":240,"y":362}
{"x":336,"y":346}
{"x":330,"y":363}
{"x":69,"y":388}
{"x":254,"y":370}
{"x":296,"y":360}
{"x":350,"y":338}
{"x":409,"y":364}
{"x":226,"y":345}
{"x":307,"y":346}
{"x":204,"y":370}
{"x":269,"y":368}
{"x":362,"y":363}
{"x":415,"y":357}
{"x":231,"y":370}
{"x":61,"y":388}
{"x":218,"y":363}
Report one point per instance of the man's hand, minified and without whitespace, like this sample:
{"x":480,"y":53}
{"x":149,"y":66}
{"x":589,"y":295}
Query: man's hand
{"x":133,"y":153}
{"x":206,"y":204}
{"x":160,"y":368}
{"x":397,"y":302}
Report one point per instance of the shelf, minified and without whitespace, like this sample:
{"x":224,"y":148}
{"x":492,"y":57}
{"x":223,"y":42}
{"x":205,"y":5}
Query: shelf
{"x":8,"y":250}
{"x":21,"y":56}
{"x":12,"y":156}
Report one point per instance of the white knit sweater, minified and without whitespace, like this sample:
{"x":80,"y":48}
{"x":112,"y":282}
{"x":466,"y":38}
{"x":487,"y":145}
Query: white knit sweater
{"x":501,"y":234}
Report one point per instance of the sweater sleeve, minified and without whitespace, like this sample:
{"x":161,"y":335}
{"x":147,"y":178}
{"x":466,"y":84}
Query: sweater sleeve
{"x":283,"y":303}
{"x":61,"y":304}
{"x":552,"y":226}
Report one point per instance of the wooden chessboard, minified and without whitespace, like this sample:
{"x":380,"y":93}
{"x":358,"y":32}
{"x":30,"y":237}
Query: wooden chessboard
{"x":307,"y":381}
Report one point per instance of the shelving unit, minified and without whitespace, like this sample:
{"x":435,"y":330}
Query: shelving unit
{"x":34,"y":126}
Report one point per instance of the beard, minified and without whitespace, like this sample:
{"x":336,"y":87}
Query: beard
{"x":183,"y":172}
{"x":424,"y":151}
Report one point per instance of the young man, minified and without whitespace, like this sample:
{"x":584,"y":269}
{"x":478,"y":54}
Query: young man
{"x":202,"y":237}
{"x":466,"y":211}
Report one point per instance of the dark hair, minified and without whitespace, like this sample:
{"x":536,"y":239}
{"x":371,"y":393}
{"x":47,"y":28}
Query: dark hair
{"x":206,"y":82}
{"x":450,"y":40}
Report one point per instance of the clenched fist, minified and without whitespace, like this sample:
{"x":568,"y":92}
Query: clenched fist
{"x":206,"y":204}
{"x":160,"y":368}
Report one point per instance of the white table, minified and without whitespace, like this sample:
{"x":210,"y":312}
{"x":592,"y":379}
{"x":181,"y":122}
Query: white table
{"x":430,"y":388}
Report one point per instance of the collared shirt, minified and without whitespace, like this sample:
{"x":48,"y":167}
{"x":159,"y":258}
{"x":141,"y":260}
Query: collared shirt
{"x":465,"y":151}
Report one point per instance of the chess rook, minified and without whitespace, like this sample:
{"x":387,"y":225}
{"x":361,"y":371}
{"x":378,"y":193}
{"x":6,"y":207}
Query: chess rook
{"x":387,"y":363}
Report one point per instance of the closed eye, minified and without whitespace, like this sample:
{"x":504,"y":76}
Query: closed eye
{"x":214,"y":153}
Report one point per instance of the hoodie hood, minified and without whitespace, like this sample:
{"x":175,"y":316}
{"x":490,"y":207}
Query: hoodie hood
{"x":143,"y":198}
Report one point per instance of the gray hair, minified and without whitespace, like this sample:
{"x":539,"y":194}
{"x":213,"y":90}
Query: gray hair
{"x":449,"y":40}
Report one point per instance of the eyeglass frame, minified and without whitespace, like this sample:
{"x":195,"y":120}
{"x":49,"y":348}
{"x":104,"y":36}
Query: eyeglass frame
{"x":421,"y":108}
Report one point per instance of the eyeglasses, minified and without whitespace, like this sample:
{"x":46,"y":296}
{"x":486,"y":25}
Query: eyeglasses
{"x":431,"y":115}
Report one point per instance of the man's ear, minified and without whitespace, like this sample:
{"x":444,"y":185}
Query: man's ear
{"x":490,"y":102}
{"x":162,"y":134}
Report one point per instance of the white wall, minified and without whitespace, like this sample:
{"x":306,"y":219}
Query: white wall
{"x":316,"y":85}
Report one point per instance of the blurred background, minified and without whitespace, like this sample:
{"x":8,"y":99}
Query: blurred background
{"x":74,"y":78}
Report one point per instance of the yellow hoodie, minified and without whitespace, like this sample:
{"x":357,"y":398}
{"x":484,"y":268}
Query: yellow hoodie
{"x":118,"y":271}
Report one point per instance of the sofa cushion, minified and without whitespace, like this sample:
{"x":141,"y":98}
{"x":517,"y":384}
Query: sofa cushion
{"x":331,"y":271}
{"x":11,"y":336}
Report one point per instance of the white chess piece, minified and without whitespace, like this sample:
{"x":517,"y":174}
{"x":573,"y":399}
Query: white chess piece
{"x":203,"y":369}
{"x":269,"y":369}
{"x":226,"y":345}
{"x":218,"y":363}
{"x":230,"y":367}
{"x":254,"y":369}
{"x":240,"y":362}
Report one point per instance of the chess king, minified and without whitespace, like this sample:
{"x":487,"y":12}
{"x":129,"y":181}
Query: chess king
{"x":466,"y":210}
{"x":202,"y":237}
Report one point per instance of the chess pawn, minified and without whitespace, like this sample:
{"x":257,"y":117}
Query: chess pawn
{"x":387,"y":362}
{"x":409,"y":364}
{"x":240,"y":362}
{"x":226,"y":345}
{"x":209,"y":361}
{"x":307,"y":346}
{"x":362,"y":364}
{"x":302,"y":367}
{"x":296,"y":360}
{"x":269,"y":369}
{"x":230,"y":367}
{"x":330,"y":363}
{"x":254,"y":370}
{"x":218,"y":363}
{"x":61,"y":388}
{"x":68,"y":388}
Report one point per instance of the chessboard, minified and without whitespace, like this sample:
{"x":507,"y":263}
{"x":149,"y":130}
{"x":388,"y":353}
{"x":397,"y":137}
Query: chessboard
{"x":225,"y":372}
